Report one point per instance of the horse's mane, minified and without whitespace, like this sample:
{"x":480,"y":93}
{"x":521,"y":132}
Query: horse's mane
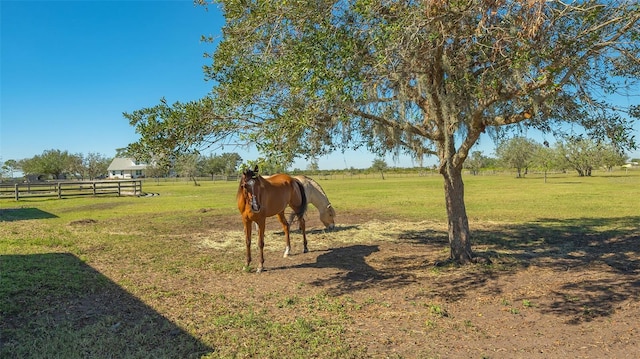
{"x":316,"y":185}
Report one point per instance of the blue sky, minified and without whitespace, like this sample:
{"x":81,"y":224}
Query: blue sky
{"x":69,"y":69}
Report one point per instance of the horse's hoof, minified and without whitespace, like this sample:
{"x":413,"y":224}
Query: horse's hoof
{"x":259,"y":270}
{"x":306,"y":250}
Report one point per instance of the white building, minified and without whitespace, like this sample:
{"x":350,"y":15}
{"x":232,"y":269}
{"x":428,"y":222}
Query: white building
{"x":126,"y":168}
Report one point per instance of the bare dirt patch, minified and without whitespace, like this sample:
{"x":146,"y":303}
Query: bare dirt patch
{"x":554,"y":288}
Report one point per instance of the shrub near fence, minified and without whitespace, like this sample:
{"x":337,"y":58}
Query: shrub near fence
{"x":71,"y":189}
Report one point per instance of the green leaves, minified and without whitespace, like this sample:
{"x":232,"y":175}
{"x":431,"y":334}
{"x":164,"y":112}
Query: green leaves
{"x":168,"y":131}
{"x":300,"y":78}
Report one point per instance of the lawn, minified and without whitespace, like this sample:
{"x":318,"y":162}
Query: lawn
{"x":160,"y":277}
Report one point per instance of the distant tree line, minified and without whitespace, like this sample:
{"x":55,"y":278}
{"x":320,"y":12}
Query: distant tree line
{"x":577,"y":153}
{"x":520,"y":153}
{"x":57,"y":164}
{"x":194,"y":165}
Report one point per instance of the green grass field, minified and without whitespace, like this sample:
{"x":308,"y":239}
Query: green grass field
{"x":120,"y":277}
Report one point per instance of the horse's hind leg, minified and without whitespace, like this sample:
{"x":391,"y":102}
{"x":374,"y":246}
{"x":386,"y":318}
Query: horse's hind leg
{"x":303,"y":229}
{"x":291,"y":217}
{"x":285,"y":229}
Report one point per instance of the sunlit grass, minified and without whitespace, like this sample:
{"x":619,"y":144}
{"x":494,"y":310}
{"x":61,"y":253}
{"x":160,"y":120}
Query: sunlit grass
{"x":497,"y":198}
{"x":488,"y":198}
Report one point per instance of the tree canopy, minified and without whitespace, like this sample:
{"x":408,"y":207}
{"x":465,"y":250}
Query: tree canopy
{"x":51,"y":162}
{"x":171,"y":131}
{"x":224,"y":164}
{"x":58,"y":164}
{"x":379,"y":165}
{"x":407,"y":76}
{"x":424,"y":78}
{"x":517,"y":153}
{"x":583,"y":155}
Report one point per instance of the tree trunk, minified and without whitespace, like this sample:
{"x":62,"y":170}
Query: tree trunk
{"x":459,"y":233}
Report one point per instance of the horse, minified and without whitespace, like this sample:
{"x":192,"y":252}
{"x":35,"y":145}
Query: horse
{"x":317,"y":197}
{"x":259,"y":197}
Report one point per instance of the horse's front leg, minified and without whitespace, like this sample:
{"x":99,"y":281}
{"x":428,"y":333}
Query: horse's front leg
{"x":285,"y":229}
{"x":247,"y":242}
{"x":261,"y":229}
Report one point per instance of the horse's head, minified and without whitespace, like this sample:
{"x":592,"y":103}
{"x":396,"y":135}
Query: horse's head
{"x":250,"y":182}
{"x":327,"y":217}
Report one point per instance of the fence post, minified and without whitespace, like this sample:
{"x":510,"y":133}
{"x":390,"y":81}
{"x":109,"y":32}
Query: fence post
{"x":93,"y":186}
{"x":17,"y":191}
{"x":59,"y":190}
{"x":119,"y":188}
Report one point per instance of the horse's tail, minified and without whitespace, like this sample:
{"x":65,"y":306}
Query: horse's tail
{"x":303,"y":196}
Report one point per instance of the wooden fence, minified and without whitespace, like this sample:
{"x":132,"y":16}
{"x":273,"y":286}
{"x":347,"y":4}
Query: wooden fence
{"x":71,"y":189}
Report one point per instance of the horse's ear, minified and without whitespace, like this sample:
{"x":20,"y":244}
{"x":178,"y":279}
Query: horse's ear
{"x":255,"y":169}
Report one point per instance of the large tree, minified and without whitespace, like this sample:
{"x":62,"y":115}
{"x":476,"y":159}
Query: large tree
{"x":421,"y":77}
{"x":55,"y":163}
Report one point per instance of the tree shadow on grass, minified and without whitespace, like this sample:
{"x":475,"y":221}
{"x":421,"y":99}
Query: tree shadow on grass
{"x":54,"y":305}
{"x":607,"y":250}
{"x":597,"y":261}
{"x":568,"y":243}
{"x":354,"y":273}
{"x":21,"y":214}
